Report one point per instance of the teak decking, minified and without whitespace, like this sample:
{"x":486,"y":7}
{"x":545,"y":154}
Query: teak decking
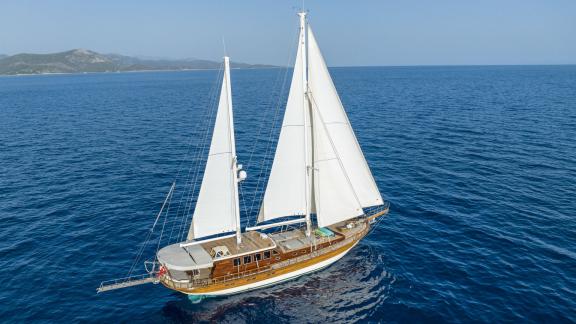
{"x":286,"y":252}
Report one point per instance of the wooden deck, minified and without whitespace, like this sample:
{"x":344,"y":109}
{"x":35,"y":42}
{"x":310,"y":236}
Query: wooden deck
{"x":251,"y":241}
{"x":284,"y":266}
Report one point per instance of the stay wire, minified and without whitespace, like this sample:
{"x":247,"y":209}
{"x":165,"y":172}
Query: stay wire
{"x":266,"y":162}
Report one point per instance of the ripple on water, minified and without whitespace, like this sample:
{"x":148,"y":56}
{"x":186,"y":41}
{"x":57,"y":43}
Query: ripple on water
{"x":478,"y":162}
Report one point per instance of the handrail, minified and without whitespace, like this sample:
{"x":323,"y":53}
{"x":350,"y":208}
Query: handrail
{"x":124,"y":280}
{"x":166,"y":279}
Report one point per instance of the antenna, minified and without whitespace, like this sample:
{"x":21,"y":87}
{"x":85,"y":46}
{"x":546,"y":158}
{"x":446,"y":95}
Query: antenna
{"x":224,"y":45}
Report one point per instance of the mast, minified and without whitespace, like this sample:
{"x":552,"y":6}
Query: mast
{"x":318,"y":166}
{"x":309,"y":168}
{"x":235,"y":179}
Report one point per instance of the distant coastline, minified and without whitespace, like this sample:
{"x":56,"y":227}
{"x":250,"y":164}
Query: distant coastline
{"x":81,"y":61}
{"x":132,"y":71}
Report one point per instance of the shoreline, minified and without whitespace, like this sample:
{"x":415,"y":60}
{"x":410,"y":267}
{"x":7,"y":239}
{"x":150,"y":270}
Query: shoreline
{"x":135,"y":71}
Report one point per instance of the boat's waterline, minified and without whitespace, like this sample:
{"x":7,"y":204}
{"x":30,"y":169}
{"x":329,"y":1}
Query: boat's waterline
{"x":272,"y":281}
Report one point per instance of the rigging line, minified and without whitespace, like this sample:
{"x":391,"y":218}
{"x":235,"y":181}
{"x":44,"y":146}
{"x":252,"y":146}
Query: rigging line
{"x":196,"y":161}
{"x":142,"y":247}
{"x":149,"y":235}
{"x":189,"y":146}
{"x":146,"y":241}
{"x":187,"y":215}
{"x":139,"y":254}
{"x":164,"y":204}
{"x":334,"y":147}
{"x":267,"y":161}
{"x":265,"y":118}
{"x":186,"y":183}
{"x":162,"y":232}
{"x":194,"y":169}
{"x":202,"y":143}
{"x":194,"y":183}
{"x":290,"y":58}
{"x":187,"y":178}
{"x":272,"y":95}
{"x":263,"y":121}
{"x":351,"y":129}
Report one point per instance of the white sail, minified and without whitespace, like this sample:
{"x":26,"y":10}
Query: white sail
{"x":341,"y":184}
{"x":325,"y":99}
{"x":285,"y":193}
{"x":217,"y":209}
{"x":334,"y":196}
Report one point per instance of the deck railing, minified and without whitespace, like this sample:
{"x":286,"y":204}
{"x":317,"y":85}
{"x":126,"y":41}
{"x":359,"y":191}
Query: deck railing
{"x":127,"y":282}
{"x":195,"y":283}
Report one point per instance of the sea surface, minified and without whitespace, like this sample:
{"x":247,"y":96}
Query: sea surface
{"x":478,"y":163}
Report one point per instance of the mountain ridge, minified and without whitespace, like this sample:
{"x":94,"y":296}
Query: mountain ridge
{"x":82,"y":60}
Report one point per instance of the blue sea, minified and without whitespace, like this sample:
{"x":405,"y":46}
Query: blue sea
{"x":478,"y":163}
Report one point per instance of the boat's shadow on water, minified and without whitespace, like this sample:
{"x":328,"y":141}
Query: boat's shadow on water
{"x":349,"y":289}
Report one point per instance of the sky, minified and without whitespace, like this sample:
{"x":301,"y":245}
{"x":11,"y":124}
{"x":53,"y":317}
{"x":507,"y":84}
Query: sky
{"x":350,"y":33}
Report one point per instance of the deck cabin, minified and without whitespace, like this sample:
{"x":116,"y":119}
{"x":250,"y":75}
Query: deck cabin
{"x":222,"y":258}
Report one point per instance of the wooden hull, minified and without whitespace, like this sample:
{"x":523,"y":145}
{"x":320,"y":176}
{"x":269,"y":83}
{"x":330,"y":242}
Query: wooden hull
{"x":266,"y":280}
{"x":285,"y":266}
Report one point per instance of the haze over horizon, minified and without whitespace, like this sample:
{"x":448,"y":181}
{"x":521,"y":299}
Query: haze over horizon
{"x":368,"y":33}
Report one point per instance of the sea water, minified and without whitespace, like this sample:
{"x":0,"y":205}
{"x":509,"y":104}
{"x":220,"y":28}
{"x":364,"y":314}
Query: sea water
{"x":479,"y":164}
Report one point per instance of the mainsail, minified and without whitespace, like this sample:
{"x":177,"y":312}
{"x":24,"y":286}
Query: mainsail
{"x":217,"y":209}
{"x":341,"y":183}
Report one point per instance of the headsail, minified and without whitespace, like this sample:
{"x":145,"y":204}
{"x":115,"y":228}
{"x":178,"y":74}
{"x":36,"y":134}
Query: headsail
{"x":334,"y":196}
{"x":285,"y":193}
{"x":326,"y":101}
{"x":316,"y":135}
{"x":217,"y":208}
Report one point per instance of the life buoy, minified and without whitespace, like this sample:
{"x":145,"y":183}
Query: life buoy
{"x":162,"y":271}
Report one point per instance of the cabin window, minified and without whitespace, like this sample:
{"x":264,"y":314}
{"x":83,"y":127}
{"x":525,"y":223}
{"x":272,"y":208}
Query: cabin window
{"x":257,"y":257}
{"x":266,"y":255}
{"x":236,"y":262}
{"x":247,"y":259}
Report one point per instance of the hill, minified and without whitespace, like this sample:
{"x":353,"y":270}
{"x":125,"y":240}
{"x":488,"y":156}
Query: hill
{"x":81,"y":60}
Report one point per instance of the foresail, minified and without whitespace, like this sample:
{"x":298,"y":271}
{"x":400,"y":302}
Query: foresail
{"x":334,"y":196}
{"x":215,"y":211}
{"x":325,"y":99}
{"x":285,"y":193}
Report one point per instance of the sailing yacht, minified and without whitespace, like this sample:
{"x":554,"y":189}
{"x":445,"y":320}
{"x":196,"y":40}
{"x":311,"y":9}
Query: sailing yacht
{"x":320,"y":200}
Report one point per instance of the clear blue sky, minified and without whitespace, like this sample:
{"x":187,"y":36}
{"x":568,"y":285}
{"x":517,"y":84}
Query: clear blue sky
{"x":370,"y":32}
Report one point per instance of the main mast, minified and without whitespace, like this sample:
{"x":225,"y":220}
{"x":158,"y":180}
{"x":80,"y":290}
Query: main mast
{"x":309,"y":168}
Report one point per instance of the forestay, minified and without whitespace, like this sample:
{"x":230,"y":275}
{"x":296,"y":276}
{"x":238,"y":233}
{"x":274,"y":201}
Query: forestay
{"x":341,"y":183}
